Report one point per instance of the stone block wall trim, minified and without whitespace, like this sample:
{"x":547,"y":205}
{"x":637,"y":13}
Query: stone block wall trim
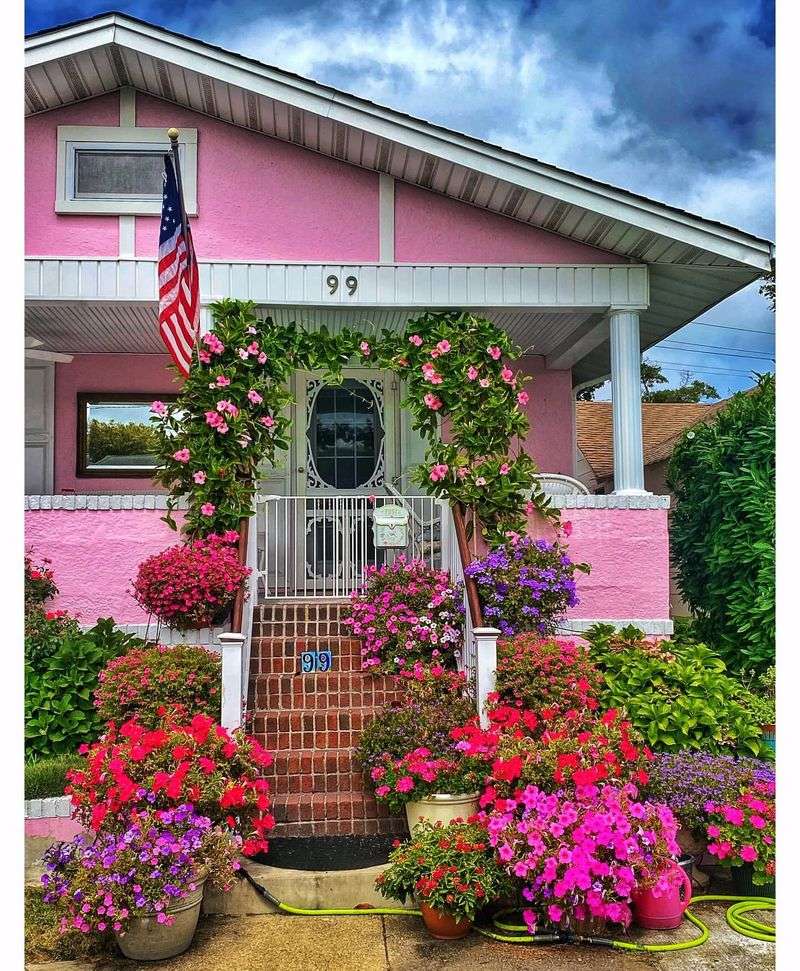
{"x":610,"y":502}
{"x":48,"y":808}
{"x":652,"y":628}
{"x":100,"y":502}
{"x":207,"y":637}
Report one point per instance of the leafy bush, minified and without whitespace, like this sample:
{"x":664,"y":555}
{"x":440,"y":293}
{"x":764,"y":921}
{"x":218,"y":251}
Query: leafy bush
{"x":39,"y":584}
{"x":450,"y":868}
{"x":687,"y":781}
{"x":678,"y":696}
{"x":535,"y":673}
{"x":152,"y":682}
{"x":45,"y":630}
{"x":219,"y":772}
{"x":59,"y":712}
{"x":759,"y":695}
{"x":526,"y":584}
{"x":407,"y":612}
{"x":435,"y":701}
{"x":48,"y":777}
{"x":722,"y":529}
{"x":192,"y":585}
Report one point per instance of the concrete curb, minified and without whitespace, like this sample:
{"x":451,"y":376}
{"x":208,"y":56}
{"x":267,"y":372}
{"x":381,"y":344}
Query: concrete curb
{"x":59,"y":806}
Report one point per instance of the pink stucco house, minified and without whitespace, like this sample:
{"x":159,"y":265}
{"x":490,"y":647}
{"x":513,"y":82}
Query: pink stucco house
{"x":325,"y":208}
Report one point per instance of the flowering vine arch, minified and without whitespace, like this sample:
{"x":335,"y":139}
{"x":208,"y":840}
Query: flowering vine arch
{"x":231,"y":413}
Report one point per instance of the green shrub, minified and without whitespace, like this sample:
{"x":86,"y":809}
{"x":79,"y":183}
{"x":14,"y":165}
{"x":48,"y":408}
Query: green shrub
{"x":47,"y":777}
{"x":111,"y":438}
{"x":59,"y":710}
{"x":722,"y":529}
{"x":150,"y":682}
{"x":678,"y":696}
{"x":44,"y":632}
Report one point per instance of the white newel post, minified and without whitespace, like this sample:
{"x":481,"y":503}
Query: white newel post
{"x":486,"y":667}
{"x":232,"y":646}
{"x":626,"y":402}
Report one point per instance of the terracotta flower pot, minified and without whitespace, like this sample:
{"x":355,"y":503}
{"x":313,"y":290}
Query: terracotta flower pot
{"x":147,"y":940}
{"x":441,"y":807}
{"x":665,"y":911}
{"x":442,"y":926}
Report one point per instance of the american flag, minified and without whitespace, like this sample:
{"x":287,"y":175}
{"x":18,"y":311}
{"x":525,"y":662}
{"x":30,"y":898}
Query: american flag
{"x":178,"y":284}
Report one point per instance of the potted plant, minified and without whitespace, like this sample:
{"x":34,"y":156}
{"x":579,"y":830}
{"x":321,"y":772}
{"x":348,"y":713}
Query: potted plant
{"x":742,"y":834}
{"x":581,"y":853}
{"x":450,"y":870}
{"x":436,"y":789}
{"x":192,"y":585}
{"x":143,"y":883}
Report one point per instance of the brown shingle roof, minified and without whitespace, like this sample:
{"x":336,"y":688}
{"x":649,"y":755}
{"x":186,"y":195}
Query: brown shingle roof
{"x":662,"y":425}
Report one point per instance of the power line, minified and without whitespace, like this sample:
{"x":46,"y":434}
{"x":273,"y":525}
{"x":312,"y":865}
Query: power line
{"x":714,"y":350}
{"x":744,"y":330}
{"x":672,"y":366}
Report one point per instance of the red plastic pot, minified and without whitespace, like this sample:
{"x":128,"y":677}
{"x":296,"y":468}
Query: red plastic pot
{"x":665,"y":911}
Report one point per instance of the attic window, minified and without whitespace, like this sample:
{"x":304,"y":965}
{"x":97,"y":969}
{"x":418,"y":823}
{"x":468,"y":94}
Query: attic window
{"x":119,"y":170}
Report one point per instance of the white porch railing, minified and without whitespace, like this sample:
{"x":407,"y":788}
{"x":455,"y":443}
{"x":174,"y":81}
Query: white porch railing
{"x":318,"y":547}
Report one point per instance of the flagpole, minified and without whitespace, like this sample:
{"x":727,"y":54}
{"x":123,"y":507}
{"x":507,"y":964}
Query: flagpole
{"x":173,"y":134}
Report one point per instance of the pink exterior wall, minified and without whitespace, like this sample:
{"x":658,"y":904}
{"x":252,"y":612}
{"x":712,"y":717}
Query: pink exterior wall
{"x":628,"y":552}
{"x":134,"y":373}
{"x":48,"y":234}
{"x":431,"y":228}
{"x":263,"y":199}
{"x":57,"y":828}
{"x":95,"y":555}
{"x":551,"y":439}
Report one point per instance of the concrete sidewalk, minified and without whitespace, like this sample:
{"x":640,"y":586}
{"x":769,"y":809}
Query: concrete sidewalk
{"x":282,"y":943}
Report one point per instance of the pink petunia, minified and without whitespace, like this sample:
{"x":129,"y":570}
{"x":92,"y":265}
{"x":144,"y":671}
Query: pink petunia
{"x":158,"y":408}
{"x":254,"y":397}
{"x":182,"y":455}
{"x":494,"y":352}
{"x":472,"y":372}
{"x":523,"y":398}
{"x":199,"y":478}
{"x":416,"y":340}
{"x":208,"y":509}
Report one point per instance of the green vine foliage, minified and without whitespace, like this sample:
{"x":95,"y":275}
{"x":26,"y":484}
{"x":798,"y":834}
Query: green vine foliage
{"x":722,"y":529}
{"x":232,"y":412}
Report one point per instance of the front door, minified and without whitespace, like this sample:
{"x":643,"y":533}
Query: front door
{"x":346,"y":452}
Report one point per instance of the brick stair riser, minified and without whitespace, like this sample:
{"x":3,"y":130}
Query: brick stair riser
{"x":282,"y":655}
{"x":301,"y":692}
{"x":286,"y":730}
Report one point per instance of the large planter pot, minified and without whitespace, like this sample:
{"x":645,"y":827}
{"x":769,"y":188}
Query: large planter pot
{"x":442,"y":926}
{"x":768,"y":736}
{"x":441,"y":807}
{"x":147,"y":940}
{"x":588,"y":926}
{"x":665,"y":911}
{"x":743,"y":885}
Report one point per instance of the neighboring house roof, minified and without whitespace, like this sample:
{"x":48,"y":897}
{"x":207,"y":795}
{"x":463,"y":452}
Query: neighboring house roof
{"x":694,"y":263}
{"x":663,"y":423}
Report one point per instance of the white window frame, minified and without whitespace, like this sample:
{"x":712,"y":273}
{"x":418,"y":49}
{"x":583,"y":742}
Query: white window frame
{"x":75,"y":138}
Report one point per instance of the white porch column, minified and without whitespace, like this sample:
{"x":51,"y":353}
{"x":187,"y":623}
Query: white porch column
{"x":626,"y":402}
{"x":232,"y":647}
{"x":486,"y":667}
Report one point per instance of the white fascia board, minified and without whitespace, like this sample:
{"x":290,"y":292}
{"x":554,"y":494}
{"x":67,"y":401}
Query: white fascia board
{"x":338,"y":106}
{"x":69,"y":40}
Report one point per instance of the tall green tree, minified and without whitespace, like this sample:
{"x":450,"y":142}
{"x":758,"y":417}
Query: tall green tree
{"x":652,"y":376}
{"x":722,"y":530}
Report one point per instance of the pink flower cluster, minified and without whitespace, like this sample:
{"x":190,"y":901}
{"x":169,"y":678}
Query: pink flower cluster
{"x":191,"y":584}
{"x":404,"y":613}
{"x":743,"y":831}
{"x":581,"y":855}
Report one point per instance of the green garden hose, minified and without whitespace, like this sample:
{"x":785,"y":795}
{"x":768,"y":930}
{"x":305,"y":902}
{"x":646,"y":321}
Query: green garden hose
{"x":516,"y":933}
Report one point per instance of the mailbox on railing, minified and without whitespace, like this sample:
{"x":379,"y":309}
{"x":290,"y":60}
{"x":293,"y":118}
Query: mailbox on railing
{"x":390,"y":527}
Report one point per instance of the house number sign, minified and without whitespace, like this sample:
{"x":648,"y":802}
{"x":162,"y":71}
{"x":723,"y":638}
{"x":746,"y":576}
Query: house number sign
{"x":351,"y":282}
{"x":311,"y":661}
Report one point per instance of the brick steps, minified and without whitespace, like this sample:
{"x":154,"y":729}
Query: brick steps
{"x":312,"y":722}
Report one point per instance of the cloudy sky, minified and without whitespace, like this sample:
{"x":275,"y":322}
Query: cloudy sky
{"x":671,"y":98}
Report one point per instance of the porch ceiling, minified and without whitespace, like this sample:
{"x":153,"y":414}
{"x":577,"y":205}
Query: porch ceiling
{"x":107,"y":328}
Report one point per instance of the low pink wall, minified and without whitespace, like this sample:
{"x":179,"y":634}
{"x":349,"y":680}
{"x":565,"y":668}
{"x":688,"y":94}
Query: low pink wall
{"x":95,"y":555}
{"x":130,"y":373}
{"x":431,"y":228}
{"x":58,"y":828}
{"x":628,"y":552}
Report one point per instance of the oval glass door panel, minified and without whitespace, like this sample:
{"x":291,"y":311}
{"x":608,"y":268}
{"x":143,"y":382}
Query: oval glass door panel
{"x":345,"y":436}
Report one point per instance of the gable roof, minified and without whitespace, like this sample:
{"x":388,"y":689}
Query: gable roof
{"x":694,"y":262}
{"x":663,"y":424}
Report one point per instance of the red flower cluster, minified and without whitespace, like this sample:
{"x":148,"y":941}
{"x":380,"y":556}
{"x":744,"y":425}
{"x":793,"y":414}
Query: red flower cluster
{"x":535,"y":672}
{"x":192,"y":585}
{"x":219,"y":773}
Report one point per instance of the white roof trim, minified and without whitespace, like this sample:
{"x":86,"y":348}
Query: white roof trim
{"x":495,"y":162}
